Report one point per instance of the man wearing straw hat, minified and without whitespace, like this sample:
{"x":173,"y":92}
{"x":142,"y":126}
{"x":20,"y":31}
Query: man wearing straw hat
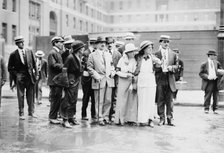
{"x":22,"y":65}
{"x":100,"y":67}
{"x":68,"y":40}
{"x":41,"y":64}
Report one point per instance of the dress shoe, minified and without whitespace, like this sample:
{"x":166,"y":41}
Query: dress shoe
{"x":66,"y":124}
{"x":161,"y":122}
{"x":73,"y":121}
{"x":22,"y":117}
{"x":170,"y":122}
{"x":54,"y":121}
{"x":102,"y":123}
{"x":33,"y":115}
{"x":215,"y":112}
{"x":85,"y":118}
{"x":151,"y":124}
{"x":206,"y":111}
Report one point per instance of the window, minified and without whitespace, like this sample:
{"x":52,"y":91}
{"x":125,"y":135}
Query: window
{"x":67,"y":3}
{"x":13,"y":32}
{"x":121,"y":5}
{"x":74,"y":4}
{"x":4,"y":31}
{"x":80,"y":25}
{"x":87,"y":28}
{"x":87,"y":11}
{"x":14,"y":5}
{"x":67,"y":20}
{"x":92,"y":28}
{"x":74,"y":20}
{"x":34,"y":10}
{"x":112,"y":5}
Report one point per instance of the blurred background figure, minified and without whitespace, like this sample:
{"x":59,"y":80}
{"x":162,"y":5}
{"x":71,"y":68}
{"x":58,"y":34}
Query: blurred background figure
{"x":41,"y":64}
{"x":116,"y":55}
{"x":2,"y":75}
{"x":86,"y":82}
{"x":179,"y":72}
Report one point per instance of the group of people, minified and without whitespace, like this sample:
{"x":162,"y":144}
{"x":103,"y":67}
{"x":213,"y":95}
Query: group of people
{"x":125,"y":83}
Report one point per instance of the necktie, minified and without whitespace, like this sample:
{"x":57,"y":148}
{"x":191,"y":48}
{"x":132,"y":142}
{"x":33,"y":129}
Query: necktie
{"x":211,"y":64}
{"x":24,"y":57}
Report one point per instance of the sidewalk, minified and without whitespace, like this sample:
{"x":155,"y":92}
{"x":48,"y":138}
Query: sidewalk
{"x":184,"y":97}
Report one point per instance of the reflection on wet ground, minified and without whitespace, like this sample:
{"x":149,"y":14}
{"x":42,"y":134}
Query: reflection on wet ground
{"x":194,"y":132}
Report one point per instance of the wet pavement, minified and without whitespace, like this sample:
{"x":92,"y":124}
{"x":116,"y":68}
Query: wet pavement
{"x":194,"y":132}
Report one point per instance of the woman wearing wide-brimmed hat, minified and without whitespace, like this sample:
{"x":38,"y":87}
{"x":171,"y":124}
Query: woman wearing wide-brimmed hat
{"x":126,"y":106}
{"x":146,"y":84}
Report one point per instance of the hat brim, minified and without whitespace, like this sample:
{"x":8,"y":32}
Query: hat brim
{"x":128,"y":51}
{"x":68,"y":42}
{"x":38,"y":55}
{"x":80,"y":47}
{"x":211,"y":54}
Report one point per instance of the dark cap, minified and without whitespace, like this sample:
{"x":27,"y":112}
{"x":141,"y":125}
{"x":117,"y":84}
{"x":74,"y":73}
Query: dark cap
{"x":100,"y":39}
{"x":212,"y":52}
{"x":76,"y":45}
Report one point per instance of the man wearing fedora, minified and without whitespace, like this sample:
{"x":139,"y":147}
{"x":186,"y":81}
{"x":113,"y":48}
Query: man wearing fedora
{"x":116,"y":55}
{"x":22,"y":65}
{"x":41,"y":64}
{"x":55,"y":65}
{"x":209,"y":75}
{"x":86,"y":82}
{"x":100,"y":67}
{"x":165,"y":80}
{"x":68,"y":40}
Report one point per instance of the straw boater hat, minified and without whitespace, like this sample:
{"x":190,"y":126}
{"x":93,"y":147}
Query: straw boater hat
{"x":130,"y":48}
{"x":39,"y":53}
{"x":164,"y":37}
{"x":68,"y":39}
{"x":129,"y":36}
{"x":56,"y":38}
{"x":212,"y":52}
{"x":176,"y":50}
{"x":19,"y":39}
{"x":145,"y":44}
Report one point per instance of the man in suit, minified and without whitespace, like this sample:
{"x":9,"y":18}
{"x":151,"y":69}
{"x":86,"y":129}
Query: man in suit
{"x":209,"y":75}
{"x":86,"y":82}
{"x":41,"y":64}
{"x":116,"y":55}
{"x":22,"y":65}
{"x":2,"y":75}
{"x":165,"y":80}
{"x":68,"y":40}
{"x":100,"y":66}
{"x":55,"y":65}
{"x":179,"y":72}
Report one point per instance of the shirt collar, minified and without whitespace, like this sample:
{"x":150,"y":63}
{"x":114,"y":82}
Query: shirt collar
{"x":56,"y":49}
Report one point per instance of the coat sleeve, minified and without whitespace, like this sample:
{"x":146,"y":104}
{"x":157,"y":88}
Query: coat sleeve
{"x":90,"y":67}
{"x":54,"y":64}
{"x":202,"y":72}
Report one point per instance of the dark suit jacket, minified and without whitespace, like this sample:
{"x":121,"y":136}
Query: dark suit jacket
{"x":172,"y":61}
{"x":204,"y":73}
{"x":74,"y":69}
{"x":55,"y":65}
{"x":15,"y":61}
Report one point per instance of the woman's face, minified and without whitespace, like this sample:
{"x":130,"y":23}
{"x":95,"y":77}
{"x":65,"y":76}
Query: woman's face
{"x":131,"y":54}
{"x":148,"y":49}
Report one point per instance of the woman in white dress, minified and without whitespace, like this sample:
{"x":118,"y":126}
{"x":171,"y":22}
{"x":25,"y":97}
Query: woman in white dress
{"x":146,"y":84}
{"x":126,"y":105}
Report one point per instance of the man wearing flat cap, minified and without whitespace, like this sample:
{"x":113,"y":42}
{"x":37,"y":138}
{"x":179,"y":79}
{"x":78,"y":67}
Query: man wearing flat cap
{"x":55,"y":65}
{"x":165,"y":80}
{"x":86,"y":82}
{"x":41,"y":64}
{"x":22,"y":65}
{"x":209,"y":75}
{"x":100,"y":67}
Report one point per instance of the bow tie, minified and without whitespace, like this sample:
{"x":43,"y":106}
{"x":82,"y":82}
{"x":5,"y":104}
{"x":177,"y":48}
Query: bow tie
{"x":146,"y":57}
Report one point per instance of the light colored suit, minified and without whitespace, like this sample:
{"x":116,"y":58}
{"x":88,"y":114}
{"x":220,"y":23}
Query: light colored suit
{"x":102,"y":72}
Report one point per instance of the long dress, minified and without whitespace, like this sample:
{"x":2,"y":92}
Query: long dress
{"x":146,"y":91}
{"x":126,"y":106}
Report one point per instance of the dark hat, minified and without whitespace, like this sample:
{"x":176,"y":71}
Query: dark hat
{"x":57,"y":39}
{"x":145,"y":44}
{"x":100,"y":39}
{"x":176,"y":50}
{"x":19,"y":39}
{"x":164,"y":37}
{"x":109,"y":40}
{"x":76,"y":45}
{"x":92,"y":40}
{"x":68,"y":39}
{"x":212,"y":52}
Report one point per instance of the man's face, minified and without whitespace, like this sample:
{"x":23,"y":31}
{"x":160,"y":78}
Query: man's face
{"x":101,"y":45}
{"x":68,"y":46}
{"x":165,"y":44}
{"x":59,"y":45}
{"x":212,"y":57}
{"x":129,"y":40}
{"x":110,"y":45}
{"x":20,"y":45}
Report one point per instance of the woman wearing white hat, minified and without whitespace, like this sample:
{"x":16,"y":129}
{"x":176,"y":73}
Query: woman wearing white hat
{"x":126,"y":106}
{"x":146,"y":84}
